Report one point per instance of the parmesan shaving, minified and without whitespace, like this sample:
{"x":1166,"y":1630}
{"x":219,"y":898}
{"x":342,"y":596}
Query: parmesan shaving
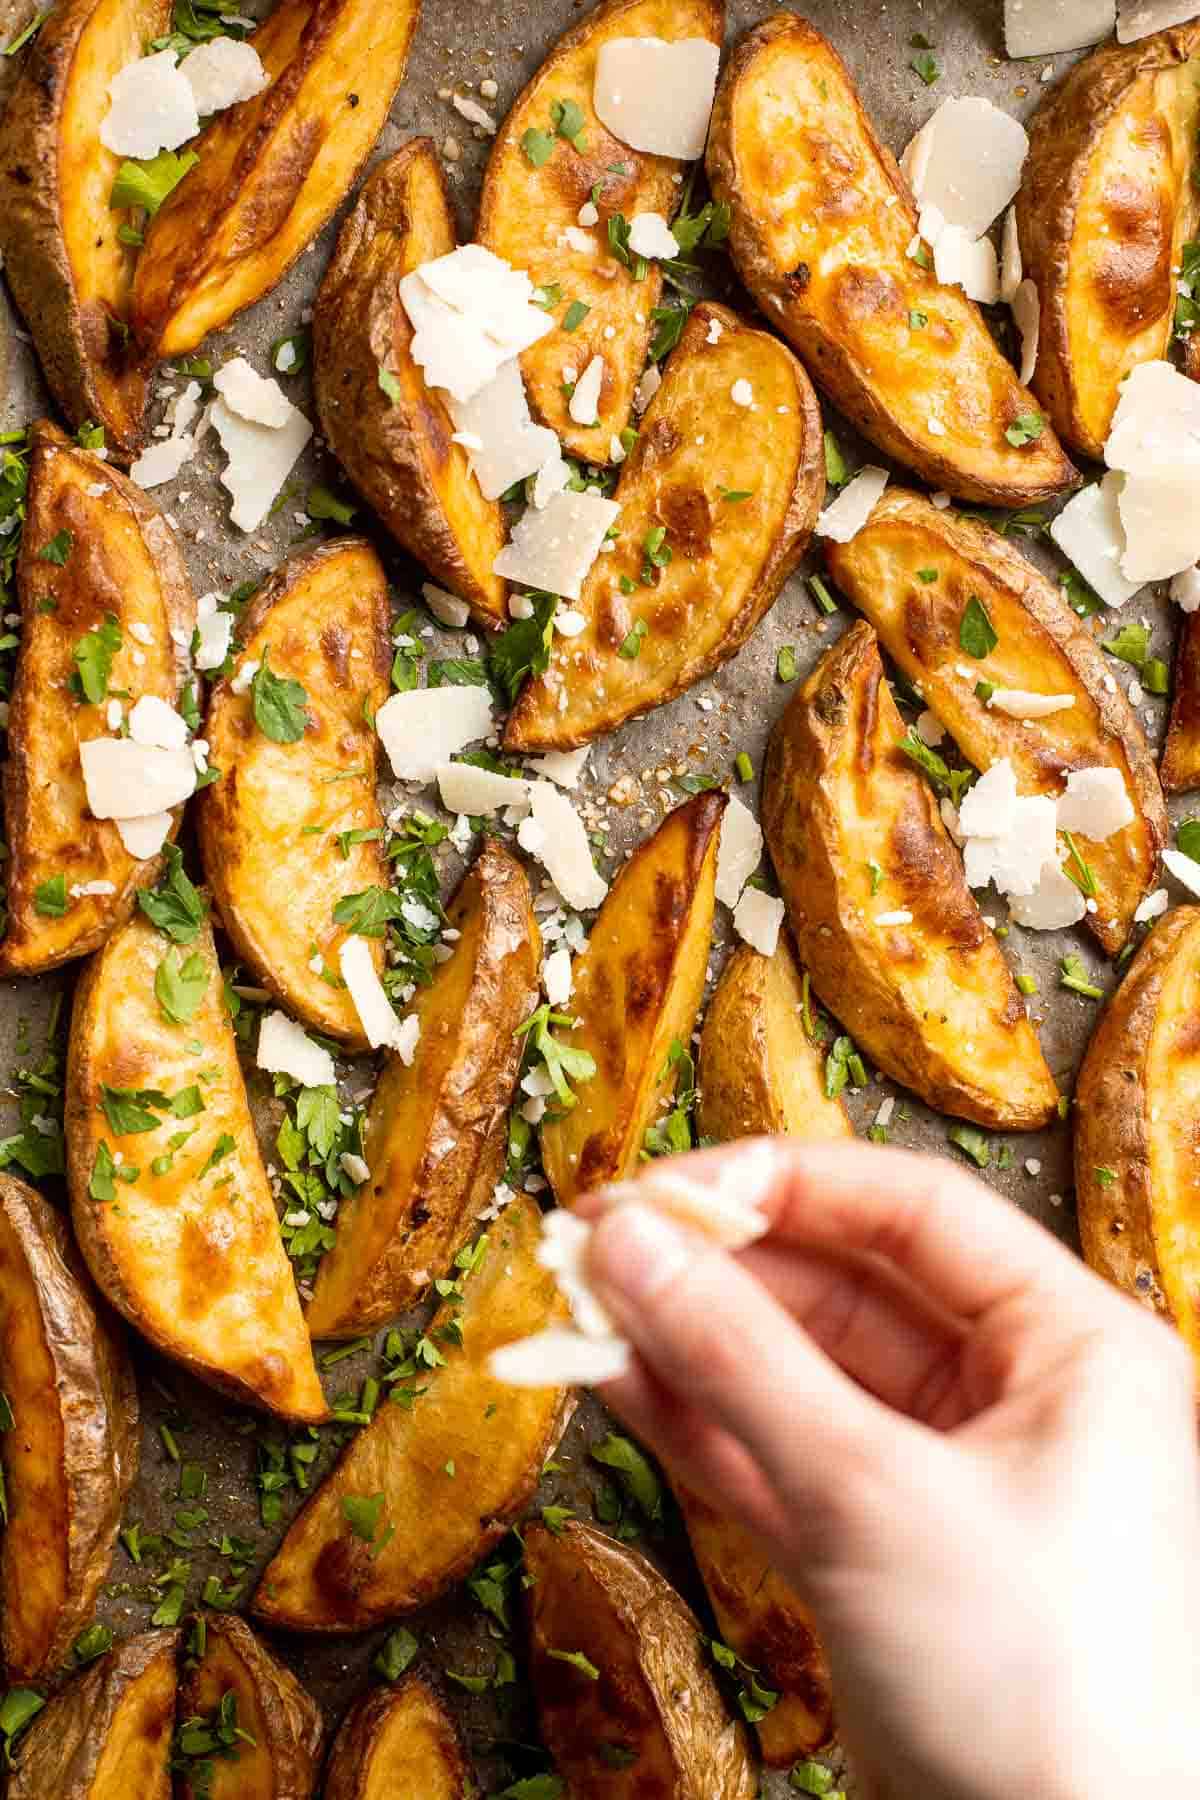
{"x":380,"y":1025}
{"x":966,"y":160}
{"x":151,"y":108}
{"x":1096,"y":804}
{"x":1142,"y":17}
{"x":252,"y":396}
{"x":506,"y":445}
{"x":284,"y":1048}
{"x":739,"y":852}
{"x":466,"y":789}
{"x":657,"y":96}
{"x":260,"y":459}
{"x":1088,"y":530}
{"x":853,"y":506}
{"x":757,"y":919}
{"x":124,"y":780}
{"x":427,"y":726}
{"x":223,"y":72}
{"x":553,"y":549}
{"x":555,"y":834}
{"x":144,"y":838}
{"x":1046,"y":27}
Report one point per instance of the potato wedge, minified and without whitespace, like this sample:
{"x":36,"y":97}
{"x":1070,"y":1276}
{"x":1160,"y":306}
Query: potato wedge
{"x":68,"y":270}
{"x":329,"y":1576}
{"x":270,"y":827}
{"x":1179,"y":769}
{"x":399,"y":1740}
{"x":526,"y":212}
{"x":398,"y":451}
{"x":435,"y":1138}
{"x":1043,"y":648}
{"x":122,"y":563}
{"x":933,"y":1001}
{"x":820,"y":224}
{"x":729,"y":559}
{"x":108,"y":1735}
{"x":638,"y":987}
{"x":188,"y":1249}
{"x":71,"y":1452}
{"x":594,"y":1598}
{"x":1105,"y":206}
{"x":272,"y":170}
{"x":283,"y":1723}
{"x":761,"y":1617}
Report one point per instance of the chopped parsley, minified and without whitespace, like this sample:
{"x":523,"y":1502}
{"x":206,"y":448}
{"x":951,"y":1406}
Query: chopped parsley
{"x":148,"y":183}
{"x":976,"y":633}
{"x":1026,"y":428}
{"x":279,"y":703}
{"x":93,"y":655}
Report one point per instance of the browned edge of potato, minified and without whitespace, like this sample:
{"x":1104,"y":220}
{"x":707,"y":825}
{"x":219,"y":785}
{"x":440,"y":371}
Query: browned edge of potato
{"x":729,"y":558}
{"x":398,"y":448}
{"x":269,"y":828}
{"x":431,"y":1528}
{"x":122,"y":563}
{"x":107,"y":1735}
{"x":1043,"y":648}
{"x":280,"y":1757}
{"x":638,"y":987}
{"x":820,"y":224}
{"x":1179,"y":769}
{"x":396,"y":1743}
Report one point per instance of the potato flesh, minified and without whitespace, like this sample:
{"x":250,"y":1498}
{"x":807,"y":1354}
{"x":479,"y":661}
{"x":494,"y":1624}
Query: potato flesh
{"x":107,"y":1734}
{"x":272,"y":1707}
{"x":399,"y":1741}
{"x":134,"y":1758}
{"x":1180,"y":768}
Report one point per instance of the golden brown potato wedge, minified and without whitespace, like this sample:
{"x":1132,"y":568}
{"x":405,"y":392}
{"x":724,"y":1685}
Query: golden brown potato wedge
{"x":425,"y":1527}
{"x":932,"y":1001}
{"x":398,"y":451}
{"x":760,"y":1072}
{"x":1043,"y":648}
{"x":279,"y":1757}
{"x":122,"y":572}
{"x":820,"y":224}
{"x":1106,"y":203}
{"x":597,"y":1600}
{"x":68,"y":270}
{"x":638,"y":987}
{"x":527,"y":212}
{"x":729,"y":558}
{"x":435,"y":1139}
{"x":397,"y":1741}
{"x":271,"y":827}
{"x":108,"y":1735}
{"x":71,"y":1451}
{"x":188,"y":1247}
{"x":272,"y":170}
{"x":1179,"y":769}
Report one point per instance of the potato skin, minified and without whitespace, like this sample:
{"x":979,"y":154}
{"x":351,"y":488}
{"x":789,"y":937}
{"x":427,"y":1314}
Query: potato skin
{"x":284,"y":1721}
{"x":107,"y":1736}
{"x":1105,"y":205}
{"x":399,"y":453}
{"x":72,"y":1453}
{"x":399,"y":1740}
{"x":1179,"y":769}
{"x":728,"y":561}
{"x":815,"y":200}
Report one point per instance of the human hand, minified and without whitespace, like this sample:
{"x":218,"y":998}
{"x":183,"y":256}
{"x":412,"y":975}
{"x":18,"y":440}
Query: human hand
{"x":976,"y":1462}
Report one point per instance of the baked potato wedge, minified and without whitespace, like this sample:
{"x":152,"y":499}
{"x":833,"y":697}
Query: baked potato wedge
{"x":70,"y":1452}
{"x":399,"y":1740}
{"x":728,"y":558}
{"x":530,"y":213}
{"x":1042,"y":648}
{"x":1179,"y":768}
{"x":760,"y":1072}
{"x":422,"y":1529}
{"x":399,"y":451}
{"x":612,"y":1650}
{"x":926,"y":993}
{"x":108,"y":1735}
{"x":1106,"y":203}
{"x":272,"y":829}
{"x":273,"y":170}
{"x":435,"y":1138}
{"x":820,"y":224}
{"x":69,"y":272}
{"x":169,"y":1196}
{"x":121,"y":573}
{"x":638,"y":986}
{"x":278,"y":1759}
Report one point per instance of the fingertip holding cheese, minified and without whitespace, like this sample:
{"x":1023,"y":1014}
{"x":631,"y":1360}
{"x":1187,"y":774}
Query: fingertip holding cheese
{"x":277,"y":1752}
{"x":399,"y":1740}
{"x":107,"y":1734}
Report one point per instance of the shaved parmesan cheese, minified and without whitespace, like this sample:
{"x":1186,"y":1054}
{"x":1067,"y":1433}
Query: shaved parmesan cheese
{"x":552,"y":478}
{"x":507,"y":445}
{"x":356,"y":1167}
{"x":124,"y":780}
{"x":471,"y":313}
{"x":1027,"y":315}
{"x":966,"y":160}
{"x":657,"y":96}
{"x":554,"y":549}
{"x":715,"y":1207}
{"x":1054,"y":903}
{"x":1161,"y":521}
{"x":563,"y":1250}
{"x":151,"y":108}
{"x":585,"y":401}
{"x":556,"y":976}
{"x":1011,"y":266}
{"x":1156,"y":426}
{"x":554,"y":833}
{"x":427,"y":726}
{"x":1088,"y":530}
{"x":375,"y":1013}
{"x":651,"y":236}
{"x":1152,"y":907}
{"x":466,"y":789}
{"x":144,"y":838}
{"x":223,"y":72}
{"x":285,"y":1048}
{"x":647,"y":387}
{"x":558,"y":1357}
{"x":187,"y":405}
{"x":989,"y":808}
{"x":1044,"y":27}
{"x":757,"y":919}
{"x":562,"y":766}
{"x":250,"y":395}
{"x":1014,"y":863}
{"x":446,"y":608}
{"x":152,"y":721}
{"x":260,"y":460}
{"x":931,"y":223}
{"x":1185,"y":590}
{"x":1184,"y":868}
{"x":1096,"y":803}
{"x":1138,"y":18}
{"x":1019,"y":704}
{"x":853,"y":506}
{"x":739,"y":852}
{"x":162,"y":461}
{"x":970,"y":263}
{"x":474,"y":113}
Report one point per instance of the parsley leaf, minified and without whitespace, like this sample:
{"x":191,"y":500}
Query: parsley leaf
{"x":50,"y":897}
{"x":175,"y":906}
{"x":564,"y":1064}
{"x":941,"y":776}
{"x":538,"y":146}
{"x":94,"y":657}
{"x":524,"y":649}
{"x":976,"y":633}
{"x":279,"y":704}
{"x":366,"y":914}
{"x":1026,"y":428}
{"x":180,"y":984}
{"x":147,"y":183}
{"x":58,"y":549}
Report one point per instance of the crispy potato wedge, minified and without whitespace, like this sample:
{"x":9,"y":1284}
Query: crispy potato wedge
{"x":1043,"y":648}
{"x":1179,"y":769}
{"x":595,"y":1598}
{"x":108,"y":1735}
{"x":1105,"y":206}
{"x":435,"y":1138}
{"x":191,"y":1255}
{"x":399,"y":1740}
{"x":820,"y":223}
{"x":638,"y":987}
{"x":525,"y":214}
{"x":282,"y":1722}
{"x":69,"y":272}
{"x":933,"y":1001}
{"x":762,"y":1618}
{"x":431,"y":1530}
{"x":729,"y":559}
{"x":273,"y":170}
{"x":71,"y":1454}
{"x":270,"y":827}
{"x":759,"y":1070}
{"x":399,"y":452}
{"x":122,"y":563}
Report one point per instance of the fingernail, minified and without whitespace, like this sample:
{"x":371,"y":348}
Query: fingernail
{"x":634,"y":1253}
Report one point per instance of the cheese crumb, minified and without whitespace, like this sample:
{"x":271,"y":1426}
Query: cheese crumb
{"x":284,"y":1048}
